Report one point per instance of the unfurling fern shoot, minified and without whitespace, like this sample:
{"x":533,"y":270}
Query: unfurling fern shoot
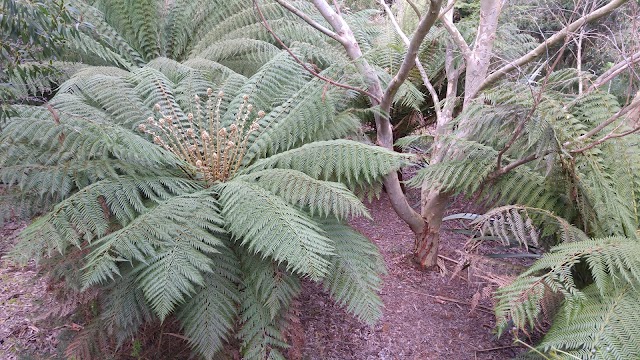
{"x":216,"y":157}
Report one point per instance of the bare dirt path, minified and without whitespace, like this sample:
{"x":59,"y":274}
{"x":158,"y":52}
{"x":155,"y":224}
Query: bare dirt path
{"x":421,"y":321}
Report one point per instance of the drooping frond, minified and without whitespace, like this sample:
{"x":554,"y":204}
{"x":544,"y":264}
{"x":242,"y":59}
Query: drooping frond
{"x":346,"y":161}
{"x":603,"y":328}
{"x":184,"y":225}
{"x":613,"y":264}
{"x":353,"y":279}
{"x":468,"y":170}
{"x":209,"y":316}
{"x":266,"y":292}
{"x":125,"y":308}
{"x":526,"y":225}
{"x":266,"y":224}
{"x":323,"y":198}
{"x":89,"y":213}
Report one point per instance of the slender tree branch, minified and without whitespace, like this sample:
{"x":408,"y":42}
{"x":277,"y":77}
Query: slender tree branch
{"x":415,"y":8}
{"x":335,"y":3}
{"x":614,"y":71}
{"x":536,"y":103}
{"x":609,"y":121}
{"x":302,"y":63}
{"x":512,"y":165}
{"x":553,"y":40}
{"x":457,"y":37}
{"x":423,"y":73}
{"x":308,"y":20}
{"x":409,"y":61}
{"x":609,"y":136}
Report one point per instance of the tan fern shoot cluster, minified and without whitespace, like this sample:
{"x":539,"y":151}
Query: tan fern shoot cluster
{"x":215,"y":151}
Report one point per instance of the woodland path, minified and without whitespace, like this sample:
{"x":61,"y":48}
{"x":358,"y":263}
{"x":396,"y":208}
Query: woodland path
{"x":420,"y":319}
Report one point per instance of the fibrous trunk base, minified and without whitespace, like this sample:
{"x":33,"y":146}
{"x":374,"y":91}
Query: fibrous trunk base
{"x":428,"y":241}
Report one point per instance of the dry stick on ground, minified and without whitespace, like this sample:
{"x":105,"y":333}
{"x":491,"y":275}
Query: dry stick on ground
{"x":444,"y":298}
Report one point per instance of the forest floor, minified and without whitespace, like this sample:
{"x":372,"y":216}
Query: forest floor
{"x":427,"y":315}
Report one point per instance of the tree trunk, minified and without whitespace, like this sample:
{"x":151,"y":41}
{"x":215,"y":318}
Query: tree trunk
{"x":434,"y":204}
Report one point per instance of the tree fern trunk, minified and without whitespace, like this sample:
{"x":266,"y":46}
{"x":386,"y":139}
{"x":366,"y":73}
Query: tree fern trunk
{"x":434,"y":204}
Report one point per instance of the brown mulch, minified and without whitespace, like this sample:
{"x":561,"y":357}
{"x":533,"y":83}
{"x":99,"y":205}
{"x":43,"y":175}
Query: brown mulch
{"x":22,"y":296}
{"x":427,"y":315}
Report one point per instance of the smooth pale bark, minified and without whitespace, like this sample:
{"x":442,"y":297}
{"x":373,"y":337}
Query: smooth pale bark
{"x":478,"y":60}
{"x":384,"y":129}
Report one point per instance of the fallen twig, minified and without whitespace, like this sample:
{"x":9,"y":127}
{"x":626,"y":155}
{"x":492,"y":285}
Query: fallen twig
{"x":444,"y":298}
{"x":497,"y":348}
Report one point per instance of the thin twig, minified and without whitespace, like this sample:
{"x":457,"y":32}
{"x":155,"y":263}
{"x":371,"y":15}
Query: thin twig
{"x":554,"y":39}
{"x":408,"y":62}
{"x":308,"y":20}
{"x":415,"y":8}
{"x":456,"y":36}
{"x":421,"y":70}
{"x":444,"y":298}
{"x":302,"y":63}
{"x":610,"y":120}
{"x":497,"y":348}
{"x":609,"y":136}
{"x":537,"y":100}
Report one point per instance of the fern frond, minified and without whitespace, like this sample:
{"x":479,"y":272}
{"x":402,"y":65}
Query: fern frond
{"x":267,"y":225}
{"x":266,"y":292}
{"x":125,"y":308}
{"x":321,"y":198}
{"x":346,"y":161}
{"x":612,"y":262}
{"x":604,"y":327}
{"x":522,"y":223}
{"x":87,"y":214}
{"x":185,"y":224}
{"x":209,"y":316}
{"x":354,"y":276}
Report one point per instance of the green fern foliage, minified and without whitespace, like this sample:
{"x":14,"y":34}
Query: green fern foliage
{"x":604,"y":328}
{"x":596,"y":321}
{"x":205,"y":205}
{"x":523,"y":151}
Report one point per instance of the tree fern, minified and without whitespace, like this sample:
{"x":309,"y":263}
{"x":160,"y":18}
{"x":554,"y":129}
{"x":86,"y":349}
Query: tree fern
{"x":192,"y":204}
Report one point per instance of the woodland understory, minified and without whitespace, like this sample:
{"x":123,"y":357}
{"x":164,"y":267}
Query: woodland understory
{"x":286,"y":179}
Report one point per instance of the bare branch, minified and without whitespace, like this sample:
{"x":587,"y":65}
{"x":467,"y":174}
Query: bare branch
{"x":456,"y":36}
{"x":609,"y":136}
{"x":302,"y":63}
{"x":415,"y":8}
{"x":553,"y":40}
{"x":409,"y":61}
{"x":614,"y":71}
{"x":309,"y":20}
{"x":609,"y":121}
{"x":423,"y":72}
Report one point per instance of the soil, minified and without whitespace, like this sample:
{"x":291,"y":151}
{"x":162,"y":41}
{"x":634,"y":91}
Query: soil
{"x":427,"y":315}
